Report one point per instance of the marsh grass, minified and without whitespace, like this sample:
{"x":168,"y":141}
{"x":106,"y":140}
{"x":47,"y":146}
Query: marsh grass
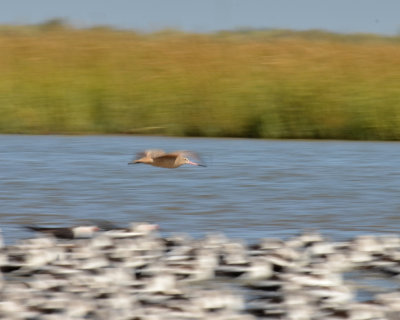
{"x":262,"y":84}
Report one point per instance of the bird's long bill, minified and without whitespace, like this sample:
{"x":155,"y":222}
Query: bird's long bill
{"x":197,"y":164}
{"x":133,"y":162}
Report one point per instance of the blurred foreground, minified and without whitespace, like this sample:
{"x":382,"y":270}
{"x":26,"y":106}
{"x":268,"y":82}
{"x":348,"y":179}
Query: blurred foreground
{"x":267,"y":84}
{"x":135,"y":273}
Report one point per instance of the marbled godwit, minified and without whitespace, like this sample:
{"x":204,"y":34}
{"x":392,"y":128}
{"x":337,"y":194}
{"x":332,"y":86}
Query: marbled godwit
{"x":159,"y":158}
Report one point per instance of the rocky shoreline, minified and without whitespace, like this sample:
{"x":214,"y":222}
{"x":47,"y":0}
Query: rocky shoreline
{"x":137,"y":274}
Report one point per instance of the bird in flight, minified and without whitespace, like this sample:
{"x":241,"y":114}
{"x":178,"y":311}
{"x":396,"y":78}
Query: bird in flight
{"x":159,"y":158}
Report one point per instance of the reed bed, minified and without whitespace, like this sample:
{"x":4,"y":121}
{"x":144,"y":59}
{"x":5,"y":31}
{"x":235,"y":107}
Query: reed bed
{"x":261,"y":84}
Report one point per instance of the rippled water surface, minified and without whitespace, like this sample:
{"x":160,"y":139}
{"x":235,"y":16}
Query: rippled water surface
{"x":250,"y":189}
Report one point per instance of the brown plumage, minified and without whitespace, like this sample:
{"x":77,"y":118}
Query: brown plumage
{"x":159,"y":158}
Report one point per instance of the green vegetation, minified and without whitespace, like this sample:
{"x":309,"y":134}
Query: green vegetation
{"x":249,"y":83}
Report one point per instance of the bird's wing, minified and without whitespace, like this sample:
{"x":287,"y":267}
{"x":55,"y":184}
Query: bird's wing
{"x":105,"y":225}
{"x":187,"y":154}
{"x":166,"y":161}
{"x":167,"y":156}
{"x":40,"y":229}
{"x":151,"y":153}
{"x":64,"y":233}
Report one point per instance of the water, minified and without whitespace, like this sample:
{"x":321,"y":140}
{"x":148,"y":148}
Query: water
{"x":250,"y":189}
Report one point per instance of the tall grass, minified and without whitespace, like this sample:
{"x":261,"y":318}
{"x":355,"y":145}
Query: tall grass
{"x":267,"y":84}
